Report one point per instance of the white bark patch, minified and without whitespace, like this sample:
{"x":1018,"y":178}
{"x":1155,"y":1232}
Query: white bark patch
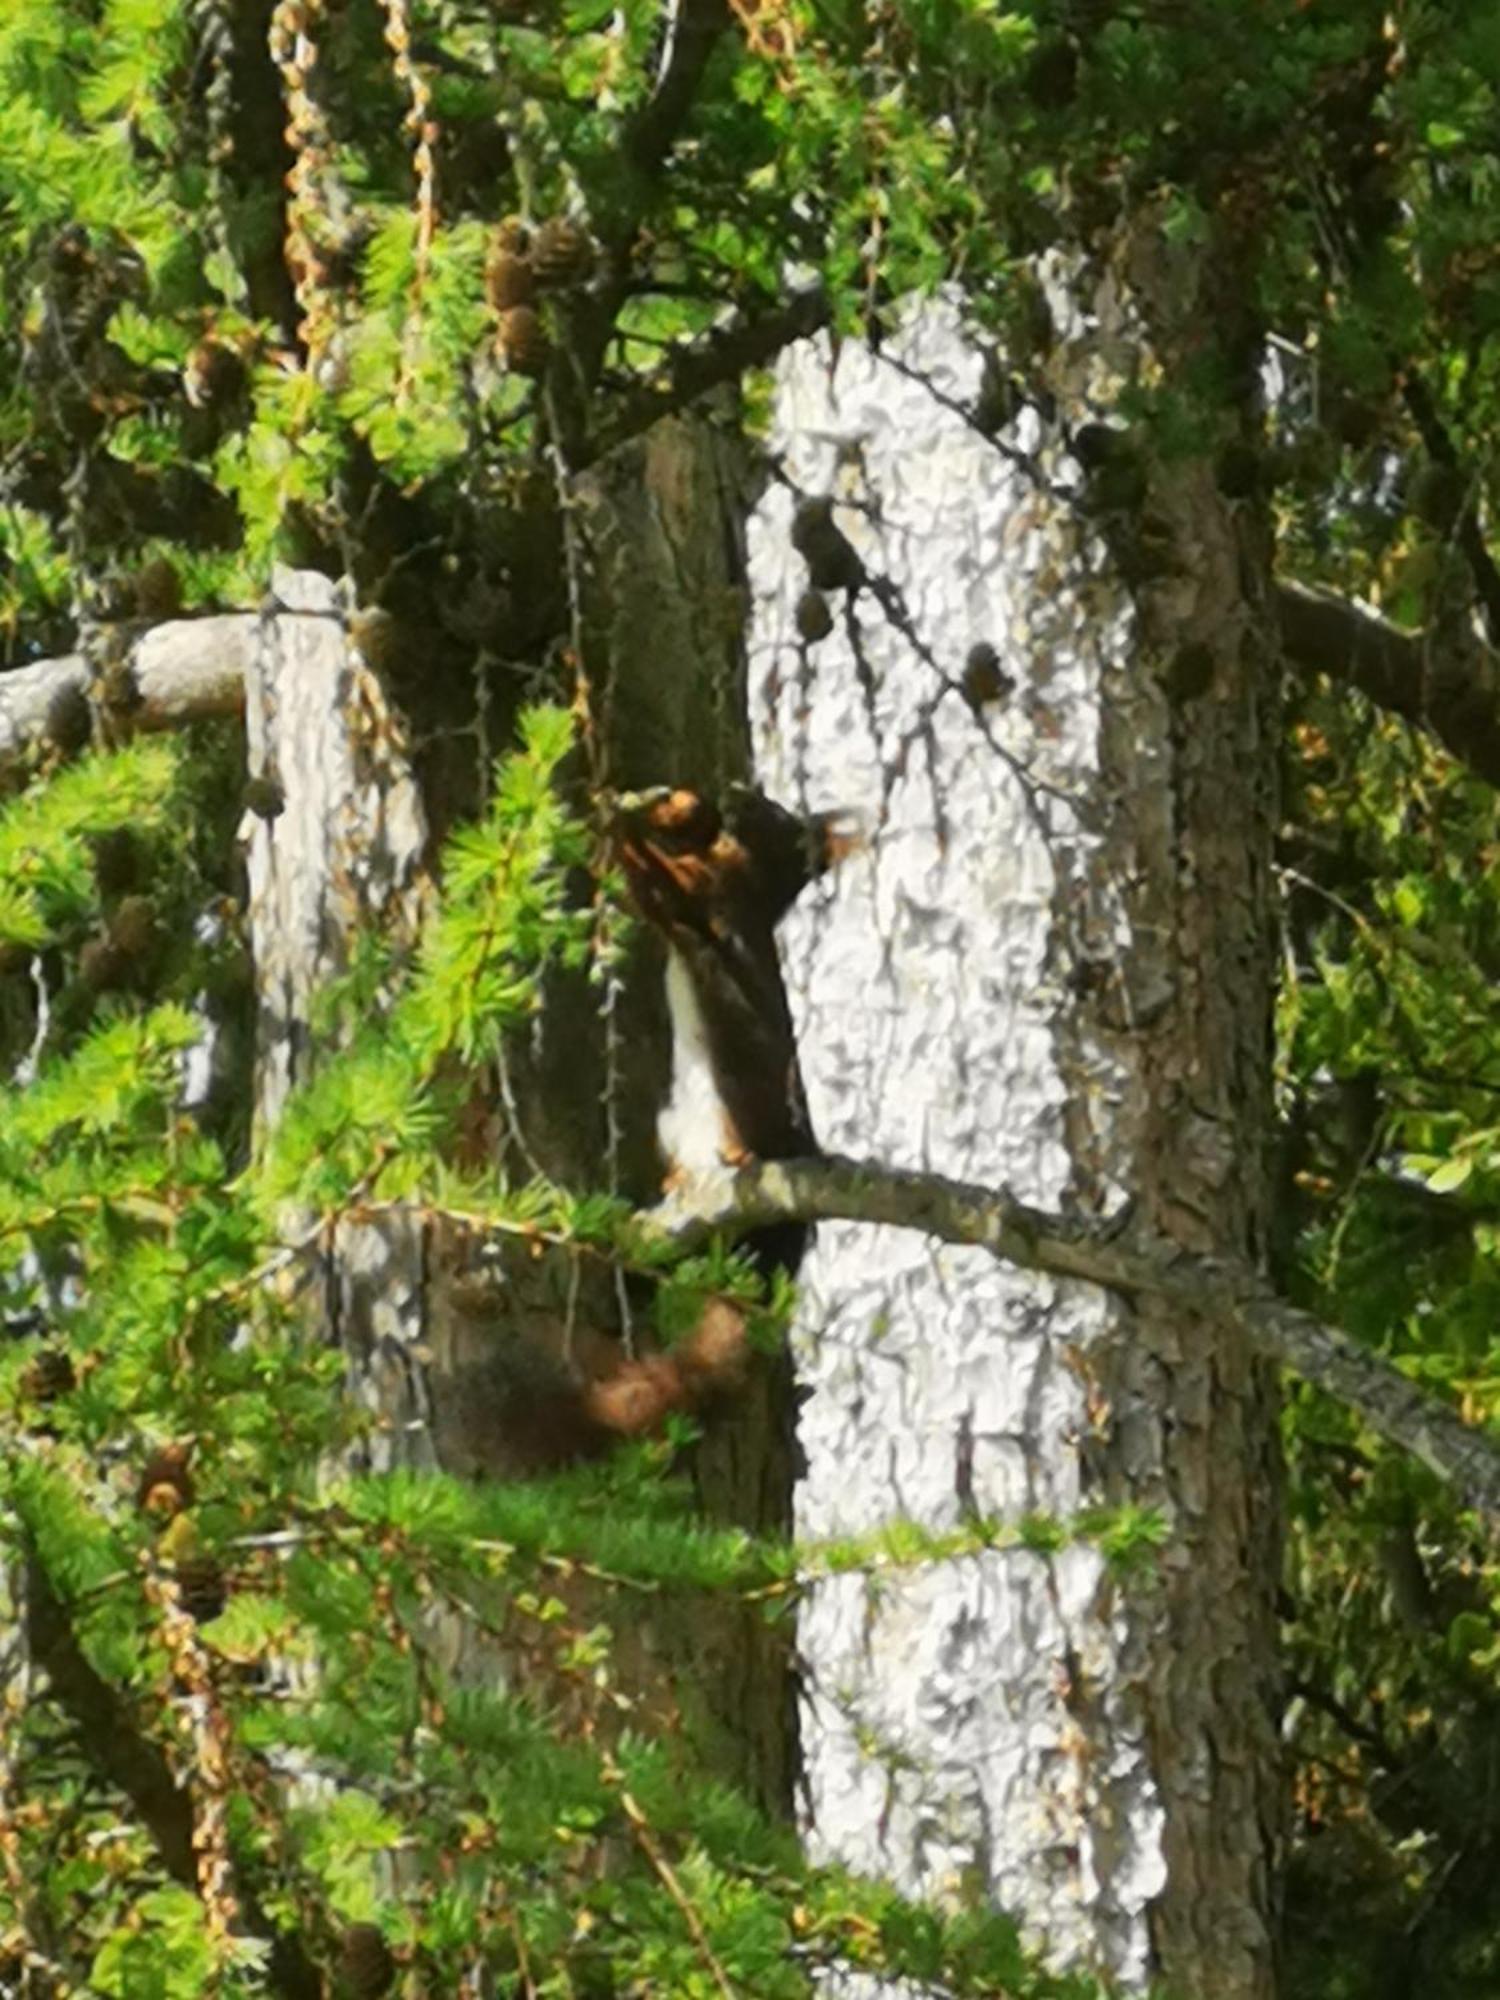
{"x":346,"y":851}
{"x":182,"y":672}
{"x":970,"y":1725}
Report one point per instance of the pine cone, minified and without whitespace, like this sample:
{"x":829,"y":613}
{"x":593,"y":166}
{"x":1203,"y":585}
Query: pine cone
{"x":366,"y":1968}
{"x":49,"y":1374}
{"x":561,"y":252}
{"x":156,"y":590}
{"x":132,"y":928}
{"x":832,"y":563}
{"x":70,"y":720}
{"x":373,"y":630}
{"x":814,"y":619}
{"x":213,"y":375}
{"x":508,"y":278}
{"x":166,"y":1485}
{"x":264,"y":797}
{"x":984,"y":678}
{"x":102,"y":966}
{"x":523,"y":340}
{"x":117,"y":861}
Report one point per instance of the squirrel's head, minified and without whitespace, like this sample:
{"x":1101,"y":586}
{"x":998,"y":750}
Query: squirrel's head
{"x":683,"y":857}
{"x":669,"y":817}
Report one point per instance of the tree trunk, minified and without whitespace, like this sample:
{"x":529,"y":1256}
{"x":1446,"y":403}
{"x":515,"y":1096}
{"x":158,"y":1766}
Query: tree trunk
{"x":1048,"y":970}
{"x":343,"y":853}
{"x":455,"y":1357}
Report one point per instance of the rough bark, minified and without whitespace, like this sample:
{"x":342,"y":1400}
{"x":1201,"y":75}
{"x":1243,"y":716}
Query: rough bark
{"x":455,"y":1352}
{"x":344,"y":854}
{"x":661,"y":526}
{"x":1049,"y":972}
{"x":1204,"y":912}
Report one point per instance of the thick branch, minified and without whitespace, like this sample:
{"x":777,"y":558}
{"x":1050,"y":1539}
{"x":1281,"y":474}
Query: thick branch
{"x":131,"y":1762}
{"x":110,"y":1741}
{"x":1454,"y":693}
{"x":692,"y":29}
{"x":1218,"y":1289}
{"x":180,"y":672}
{"x":719,"y":357}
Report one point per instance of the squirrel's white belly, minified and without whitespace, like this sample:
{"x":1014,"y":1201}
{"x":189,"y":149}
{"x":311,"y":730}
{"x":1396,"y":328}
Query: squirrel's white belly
{"x":693,"y":1129}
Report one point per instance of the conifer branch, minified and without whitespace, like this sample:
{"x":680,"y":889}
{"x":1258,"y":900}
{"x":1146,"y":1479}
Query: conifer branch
{"x":721,"y":356}
{"x":129,"y":1760}
{"x":1220,"y":1289}
{"x":109,"y":1740}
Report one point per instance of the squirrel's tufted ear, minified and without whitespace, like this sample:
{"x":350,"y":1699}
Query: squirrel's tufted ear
{"x":788,"y":851}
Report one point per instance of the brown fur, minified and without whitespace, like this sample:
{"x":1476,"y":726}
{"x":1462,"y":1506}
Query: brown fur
{"x":641,"y":1393}
{"x":716,"y":885}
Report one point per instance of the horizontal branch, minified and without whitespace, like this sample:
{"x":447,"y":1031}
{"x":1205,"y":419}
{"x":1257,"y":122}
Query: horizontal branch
{"x":1452,"y":690}
{"x":1219,"y":1289}
{"x":180,"y":672}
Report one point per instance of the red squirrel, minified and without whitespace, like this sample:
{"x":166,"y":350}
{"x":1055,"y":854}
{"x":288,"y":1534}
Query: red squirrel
{"x":715,"y":884}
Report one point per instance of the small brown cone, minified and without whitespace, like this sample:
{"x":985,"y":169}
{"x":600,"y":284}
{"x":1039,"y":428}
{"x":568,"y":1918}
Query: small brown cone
{"x":985,"y":679}
{"x":202,"y":1588}
{"x":156,"y":589}
{"x":814,"y":618}
{"x":165,"y":1486}
{"x":523,"y":340}
{"x":561,"y":252}
{"x":508,"y":279}
{"x":49,"y":1374}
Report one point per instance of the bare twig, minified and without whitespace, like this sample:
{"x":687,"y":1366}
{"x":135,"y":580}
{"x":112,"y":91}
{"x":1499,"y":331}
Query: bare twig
{"x":667,"y":1876}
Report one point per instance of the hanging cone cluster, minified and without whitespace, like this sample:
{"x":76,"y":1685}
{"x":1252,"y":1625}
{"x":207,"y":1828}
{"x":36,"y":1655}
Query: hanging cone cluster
{"x":522,"y":261}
